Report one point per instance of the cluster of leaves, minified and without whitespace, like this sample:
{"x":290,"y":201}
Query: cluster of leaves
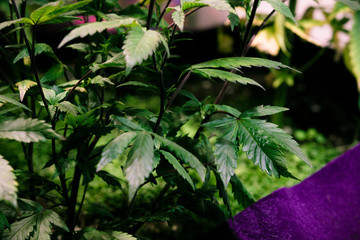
{"x":182,"y":147}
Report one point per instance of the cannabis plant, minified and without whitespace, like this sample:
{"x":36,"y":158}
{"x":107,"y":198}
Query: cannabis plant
{"x":187,"y":149}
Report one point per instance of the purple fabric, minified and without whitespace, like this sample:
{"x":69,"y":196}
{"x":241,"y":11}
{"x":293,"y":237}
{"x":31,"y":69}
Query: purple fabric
{"x":324,"y":206}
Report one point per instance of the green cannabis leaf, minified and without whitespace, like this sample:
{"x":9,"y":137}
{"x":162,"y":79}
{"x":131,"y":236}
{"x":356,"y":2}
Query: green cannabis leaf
{"x":139,"y":162}
{"x":87,"y":29}
{"x":8,"y":184}
{"x":139,"y":45}
{"x":27,"y":130}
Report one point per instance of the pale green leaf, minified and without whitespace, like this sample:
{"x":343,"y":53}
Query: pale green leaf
{"x":182,"y":153}
{"x":41,"y":14}
{"x":139,"y":162}
{"x":27,"y":130}
{"x":114,"y":148}
{"x":81,"y":47}
{"x":23,"y":86}
{"x":355,"y":48}
{"x":100,"y":80}
{"x":8,"y":184}
{"x":178,"y":16}
{"x":226,"y":154}
{"x":101,"y":235}
{"x":221,"y":5}
{"x":91,"y":28}
{"x":177,"y":166}
{"x":6,"y":99}
{"x":38,"y":224}
{"x":20,"y":230}
{"x":261,"y":110}
{"x":69,"y":8}
{"x":52,"y":97}
{"x":281,"y":8}
{"x":238,"y":62}
{"x":21,"y":20}
{"x":351,"y":4}
{"x":39,"y":49}
{"x":116,"y":61}
{"x":44,"y":220}
{"x":139,"y":45}
{"x":68,"y":107}
{"x":225,"y":75}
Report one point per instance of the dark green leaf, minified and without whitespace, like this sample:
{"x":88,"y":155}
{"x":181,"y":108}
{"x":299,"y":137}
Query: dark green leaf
{"x":180,"y":169}
{"x":185,"y":155}
{"x":281,"y":8}
{"x":5,"y":99}
{"x":109,"y":179}
{"x":39,"y":49}
{"x":243,"y":197}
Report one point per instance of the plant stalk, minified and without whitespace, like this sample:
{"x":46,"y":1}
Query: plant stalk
{"x":150,"y":13}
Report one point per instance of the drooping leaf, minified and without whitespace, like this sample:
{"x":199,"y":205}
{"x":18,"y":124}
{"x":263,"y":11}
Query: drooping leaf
{"x":140,"y":84}
{"x":101,"y":235}
{"x":180,"y":169}
{"x":139,"y":45}
{"x":6,"y":99}
{"x":281,"y":8}
{"x":69,"y":8}
{"x":211,"y":108}
{"x":178,"y":16}
{"x":56,"y":71}
{"x":182,"y":153}
{"x":8,"y":184}
{"x":139,"y":162}
{"x":68,"y":107}
{"x":261,"y":110}
{"x":126,"y":123}
{"x":351,"y":4}
{"x":114,"y":148}
{"x":226,"y":154}
{"x":38,"y":224}
{"x":39,"y":49}
{"x":234,"y":20}
{"x":91,"y":28}
{"x":117,"y":61}
{"x":240,"y":193}
{"x":21,"y":20}
{"x":100,"y":80}
{"x":41,"y":14}
{"x":27,"y":130}
{"x":23,"y":86}
{"x":238,"y":62}
{"x":4,"y":223}
{"x":224,"y":75}
{"x":109,"y":178}
{"x":355,"y":48}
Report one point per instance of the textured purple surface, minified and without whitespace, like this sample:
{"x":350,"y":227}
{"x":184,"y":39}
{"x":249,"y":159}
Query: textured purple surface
{"x":324,"y":206}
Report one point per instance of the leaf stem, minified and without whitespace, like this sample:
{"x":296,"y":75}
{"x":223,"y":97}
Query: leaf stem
{"x":81,"y":203}
{"x":162,"y":102}
{"x":178,"y":90}
{"x":249,"y":25}
{"x":150,"y":13}
{"x":186,"y":14}
{"x":162,"y":13}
